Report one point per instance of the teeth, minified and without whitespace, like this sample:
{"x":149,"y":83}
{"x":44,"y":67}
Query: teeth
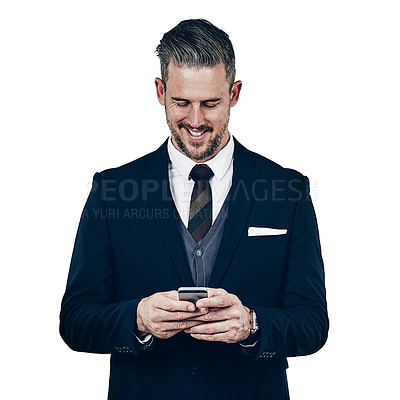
{"x":195,"y":133}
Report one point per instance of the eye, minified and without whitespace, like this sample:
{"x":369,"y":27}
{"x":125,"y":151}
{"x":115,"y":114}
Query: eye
{"x":182,"y":104}
{"x":209,"y":105}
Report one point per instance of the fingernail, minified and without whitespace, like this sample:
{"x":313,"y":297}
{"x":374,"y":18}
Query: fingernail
{"x":200,"y":304}
{"x":191,"y":308}
{"x":203,"y":310}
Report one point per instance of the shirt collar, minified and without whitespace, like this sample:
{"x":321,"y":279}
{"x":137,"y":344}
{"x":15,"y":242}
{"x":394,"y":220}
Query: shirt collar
{"x":219,"y":163}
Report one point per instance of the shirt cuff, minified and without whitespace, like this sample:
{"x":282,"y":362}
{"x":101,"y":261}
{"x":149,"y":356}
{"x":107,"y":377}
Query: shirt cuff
{"x":251,"y":345}
{"x":146,"y":341}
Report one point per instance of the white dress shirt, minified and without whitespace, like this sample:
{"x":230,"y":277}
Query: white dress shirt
{"x":182,"y":186}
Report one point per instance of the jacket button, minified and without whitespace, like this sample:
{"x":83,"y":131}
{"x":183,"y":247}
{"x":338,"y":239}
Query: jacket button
{"x":198,"y":252}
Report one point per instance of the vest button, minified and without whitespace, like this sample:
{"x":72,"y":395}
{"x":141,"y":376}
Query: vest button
{"x":198,"y":253}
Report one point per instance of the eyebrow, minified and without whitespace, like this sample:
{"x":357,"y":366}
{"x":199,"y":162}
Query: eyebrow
{"x":204,"y":101}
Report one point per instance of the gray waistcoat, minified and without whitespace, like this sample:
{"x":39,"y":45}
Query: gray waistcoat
{"x":202,"y":257}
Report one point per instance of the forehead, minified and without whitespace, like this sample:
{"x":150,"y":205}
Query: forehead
{"x":197,"y":83}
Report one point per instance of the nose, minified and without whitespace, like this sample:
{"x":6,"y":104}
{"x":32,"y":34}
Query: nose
{"x":196,"y":117}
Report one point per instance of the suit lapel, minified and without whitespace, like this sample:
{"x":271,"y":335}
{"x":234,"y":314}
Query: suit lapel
{"x":240,"y":199}
{"x":160,"y":198}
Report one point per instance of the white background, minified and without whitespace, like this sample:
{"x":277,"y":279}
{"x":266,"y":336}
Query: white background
{"x":321,"y":94}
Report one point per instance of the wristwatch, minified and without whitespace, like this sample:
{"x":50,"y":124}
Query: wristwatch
{"x":253,"y":322}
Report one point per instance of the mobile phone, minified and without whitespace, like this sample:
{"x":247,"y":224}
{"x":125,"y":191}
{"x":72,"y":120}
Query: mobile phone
{"x":192,"y":294}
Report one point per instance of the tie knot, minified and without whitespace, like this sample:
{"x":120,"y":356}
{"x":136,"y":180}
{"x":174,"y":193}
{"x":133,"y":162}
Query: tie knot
{"x":201,"y":171}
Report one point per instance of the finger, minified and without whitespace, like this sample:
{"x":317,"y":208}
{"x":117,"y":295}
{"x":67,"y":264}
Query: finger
{"x":210,"y":328}
{"x":160,"y":329}
{"x":212,"y":292}
{"x":216,"y":292}
{"x":216,"y":314}
{"x":217,"y":301}
{"x":177,"y":315}
{"x":168,"y":303}
{"x":165,"y":334}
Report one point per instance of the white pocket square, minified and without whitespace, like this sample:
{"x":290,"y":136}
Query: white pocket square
{"x":260,"y":231}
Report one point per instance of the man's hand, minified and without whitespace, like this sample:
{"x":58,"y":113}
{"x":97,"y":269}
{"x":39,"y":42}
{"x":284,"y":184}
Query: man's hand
{"x":224,"y":318}
{"x":164,"y":315}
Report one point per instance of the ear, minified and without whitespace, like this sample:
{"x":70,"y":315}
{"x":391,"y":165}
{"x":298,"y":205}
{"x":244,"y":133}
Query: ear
{"x":235,"y":92}
{"x":160,"y":91}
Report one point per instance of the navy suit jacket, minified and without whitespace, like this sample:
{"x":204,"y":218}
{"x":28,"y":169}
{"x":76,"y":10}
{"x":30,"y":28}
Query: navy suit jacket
{"x":128,"y":247}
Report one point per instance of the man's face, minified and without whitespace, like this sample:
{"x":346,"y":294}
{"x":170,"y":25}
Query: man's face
{"x":197,"y":106}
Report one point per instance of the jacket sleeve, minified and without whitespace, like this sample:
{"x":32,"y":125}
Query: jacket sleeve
{"x":90,"y":319}
{"x":300,"y":325}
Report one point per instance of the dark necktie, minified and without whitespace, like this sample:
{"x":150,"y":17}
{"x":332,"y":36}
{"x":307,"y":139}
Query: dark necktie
{"x":200,"y":216}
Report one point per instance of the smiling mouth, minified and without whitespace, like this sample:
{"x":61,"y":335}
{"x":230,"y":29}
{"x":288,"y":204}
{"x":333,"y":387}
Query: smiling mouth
{"x":196,"y":134}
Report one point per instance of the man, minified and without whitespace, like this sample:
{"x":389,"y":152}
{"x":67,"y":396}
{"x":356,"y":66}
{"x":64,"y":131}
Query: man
{"x":199,"y":211}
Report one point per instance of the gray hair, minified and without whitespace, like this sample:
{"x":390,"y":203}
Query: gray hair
{"x":196,"y":43}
